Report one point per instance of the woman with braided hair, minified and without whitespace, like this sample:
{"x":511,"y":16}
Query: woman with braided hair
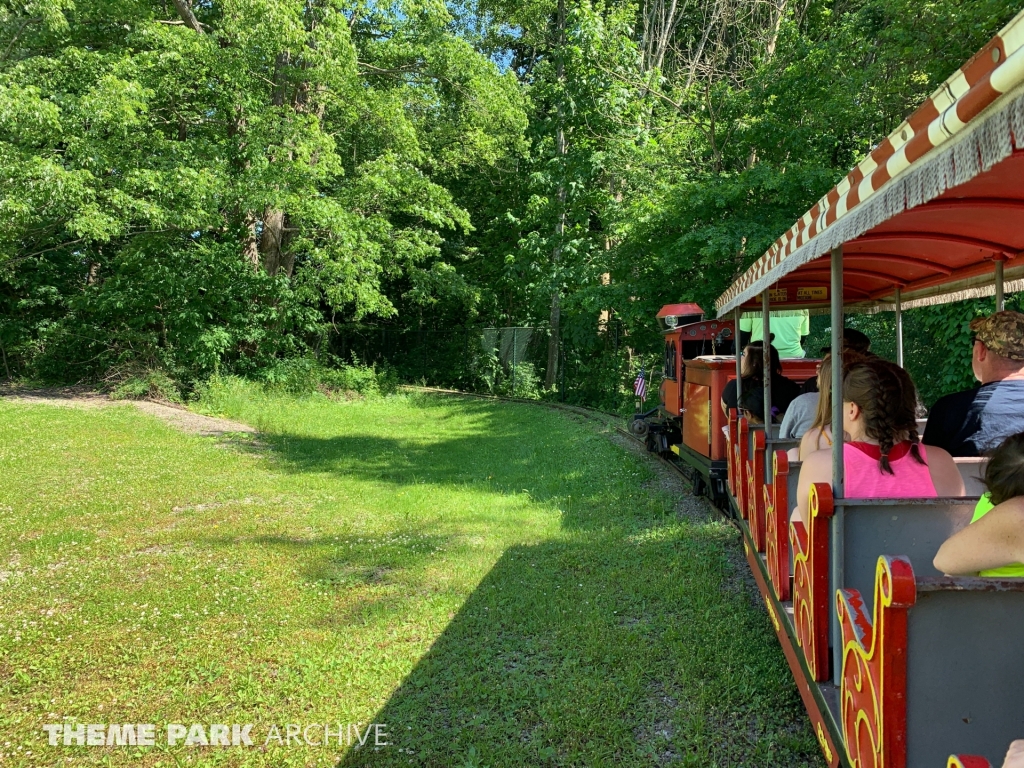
{"x":884,"y":458}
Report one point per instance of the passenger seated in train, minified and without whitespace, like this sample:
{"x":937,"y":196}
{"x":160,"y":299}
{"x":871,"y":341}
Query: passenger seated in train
{"x":752,"y":404}
{"x":819,"y":435}
{"x":993,"y":544}
{"x":784,"y":391}
{"x":883,"y":458}
{"x":800,"y":414}
{"x":788,"y":328}
{"x":974,"y":422}
{"x":805,"y":412}
{"x":853,"y":340}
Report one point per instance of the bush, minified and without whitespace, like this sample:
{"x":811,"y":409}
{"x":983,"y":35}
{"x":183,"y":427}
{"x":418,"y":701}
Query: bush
{"x":305,"y":375}
{"x":523,"y":382}
{"x":147,"y":385}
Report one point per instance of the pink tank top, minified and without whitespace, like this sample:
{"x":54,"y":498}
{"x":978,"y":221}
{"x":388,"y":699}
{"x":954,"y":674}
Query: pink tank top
{"x":865,"y":479}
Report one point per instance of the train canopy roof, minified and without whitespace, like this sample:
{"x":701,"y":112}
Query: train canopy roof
{"x":928,"y":211}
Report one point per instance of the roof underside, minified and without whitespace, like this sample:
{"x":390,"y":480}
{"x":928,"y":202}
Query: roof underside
{"x":929,"y":211}
{"x":943,"y":249}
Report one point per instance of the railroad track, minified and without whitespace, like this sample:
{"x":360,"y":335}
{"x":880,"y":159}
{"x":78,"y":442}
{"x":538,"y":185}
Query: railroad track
{"x":613,"y":420}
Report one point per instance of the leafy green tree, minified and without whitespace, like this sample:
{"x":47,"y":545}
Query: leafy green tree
{"x":308,"y":139}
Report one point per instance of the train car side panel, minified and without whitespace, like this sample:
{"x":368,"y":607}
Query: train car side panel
{"x":697,"y":418}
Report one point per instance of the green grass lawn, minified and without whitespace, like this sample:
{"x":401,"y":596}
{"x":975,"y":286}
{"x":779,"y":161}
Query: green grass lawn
{"x":494,"y":582}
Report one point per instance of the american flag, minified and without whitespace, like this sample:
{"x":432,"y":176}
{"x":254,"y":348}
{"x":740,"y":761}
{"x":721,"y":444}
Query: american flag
{"x":640,"y":385}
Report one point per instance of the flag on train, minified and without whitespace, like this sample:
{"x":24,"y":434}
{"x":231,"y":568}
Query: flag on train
{"x":640,"y":385}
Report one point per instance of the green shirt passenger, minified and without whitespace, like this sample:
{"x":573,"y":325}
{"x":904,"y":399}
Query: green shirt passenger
{"x":787,"y":326}
{"x":993,"y":544}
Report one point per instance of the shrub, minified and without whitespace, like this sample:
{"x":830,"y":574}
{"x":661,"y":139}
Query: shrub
{"x":152,"y":385}
{"x":523,"y":382}
{"x":305,"y":375}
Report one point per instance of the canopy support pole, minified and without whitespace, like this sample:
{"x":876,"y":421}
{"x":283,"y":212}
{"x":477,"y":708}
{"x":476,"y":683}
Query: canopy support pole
{"x":767,"y":368}
{"x":1000,"y":299}
{"x":899,"y":327}
{"x":739,"y":355}
{"x":838,"y":479}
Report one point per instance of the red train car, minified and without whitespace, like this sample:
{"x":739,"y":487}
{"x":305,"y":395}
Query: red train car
{"x":898,"y":664}
{"x":699,"y":361}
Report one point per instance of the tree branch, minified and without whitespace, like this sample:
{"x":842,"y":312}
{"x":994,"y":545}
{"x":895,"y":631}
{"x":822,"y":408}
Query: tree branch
{"x":188,"y":18}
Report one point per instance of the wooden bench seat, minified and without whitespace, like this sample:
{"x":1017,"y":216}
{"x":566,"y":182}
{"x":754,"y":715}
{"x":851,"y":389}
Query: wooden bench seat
{"x":935,"y":668}
{"x":779,"y":499}
{"x":758,"y":477}
{"x":865,"y":528}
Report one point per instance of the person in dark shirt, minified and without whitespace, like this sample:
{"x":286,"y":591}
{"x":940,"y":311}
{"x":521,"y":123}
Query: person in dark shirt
{"x":974,"y":422}
{"x":852,"y":340}
{"x":752,"y":368}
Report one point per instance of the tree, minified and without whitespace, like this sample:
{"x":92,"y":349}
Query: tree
{"x":311,"y":138}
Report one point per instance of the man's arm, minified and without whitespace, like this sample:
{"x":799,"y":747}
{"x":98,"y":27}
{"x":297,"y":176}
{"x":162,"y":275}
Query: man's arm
{"x":746,"y":330}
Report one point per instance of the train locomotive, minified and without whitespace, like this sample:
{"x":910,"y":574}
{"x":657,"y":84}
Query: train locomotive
{"x":699,"y":360}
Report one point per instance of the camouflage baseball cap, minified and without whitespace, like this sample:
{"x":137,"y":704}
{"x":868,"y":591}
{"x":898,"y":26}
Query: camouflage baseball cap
{"x":1002,"y":332}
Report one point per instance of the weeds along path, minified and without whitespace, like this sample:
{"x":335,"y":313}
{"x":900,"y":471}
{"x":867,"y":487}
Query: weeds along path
{"x":498,"y":584}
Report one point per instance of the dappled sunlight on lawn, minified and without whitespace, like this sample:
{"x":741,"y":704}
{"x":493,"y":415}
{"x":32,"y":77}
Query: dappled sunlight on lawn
{"x":492,"y":580}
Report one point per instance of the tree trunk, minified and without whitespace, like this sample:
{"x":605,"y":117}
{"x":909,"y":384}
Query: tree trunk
{"x":556,"y":253}
{"x":777,"y":27}
{"x":184,"y":8}
{"x":250,"y":246}
{"x":272,"y":239}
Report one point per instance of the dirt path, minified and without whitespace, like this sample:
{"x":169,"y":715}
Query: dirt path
{"x":175,"y":416}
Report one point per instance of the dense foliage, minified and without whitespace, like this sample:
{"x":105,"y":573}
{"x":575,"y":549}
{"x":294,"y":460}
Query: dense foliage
{"x":201,"y":187}
{"x":207,"y":187}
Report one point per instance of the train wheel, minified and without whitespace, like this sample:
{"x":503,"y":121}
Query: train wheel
{"x":719,"y":496}
{"x":639,"y":428}
{"x":700,"y":488}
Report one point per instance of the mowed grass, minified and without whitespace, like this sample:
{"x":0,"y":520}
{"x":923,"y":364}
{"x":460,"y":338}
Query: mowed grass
{"x":494,"y":582}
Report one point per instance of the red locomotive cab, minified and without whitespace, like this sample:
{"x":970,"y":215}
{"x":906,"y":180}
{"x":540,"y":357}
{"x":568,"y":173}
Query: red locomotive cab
{"x":671,"y":389}
{"x":670,"y":318}
{"x":687,"y":335}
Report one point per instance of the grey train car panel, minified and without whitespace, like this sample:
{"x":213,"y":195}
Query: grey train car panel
{"x":915,"y":528}
{"x":965,"y":670}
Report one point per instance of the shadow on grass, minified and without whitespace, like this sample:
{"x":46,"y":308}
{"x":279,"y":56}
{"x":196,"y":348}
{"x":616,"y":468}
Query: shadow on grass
{"x":505,"y":450}
{"x":623,"y":643}
{"x":613,"y":651}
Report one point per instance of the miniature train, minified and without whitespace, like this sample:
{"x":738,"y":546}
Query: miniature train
{"x":689,"y":422}
{"x":897,"y":665}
